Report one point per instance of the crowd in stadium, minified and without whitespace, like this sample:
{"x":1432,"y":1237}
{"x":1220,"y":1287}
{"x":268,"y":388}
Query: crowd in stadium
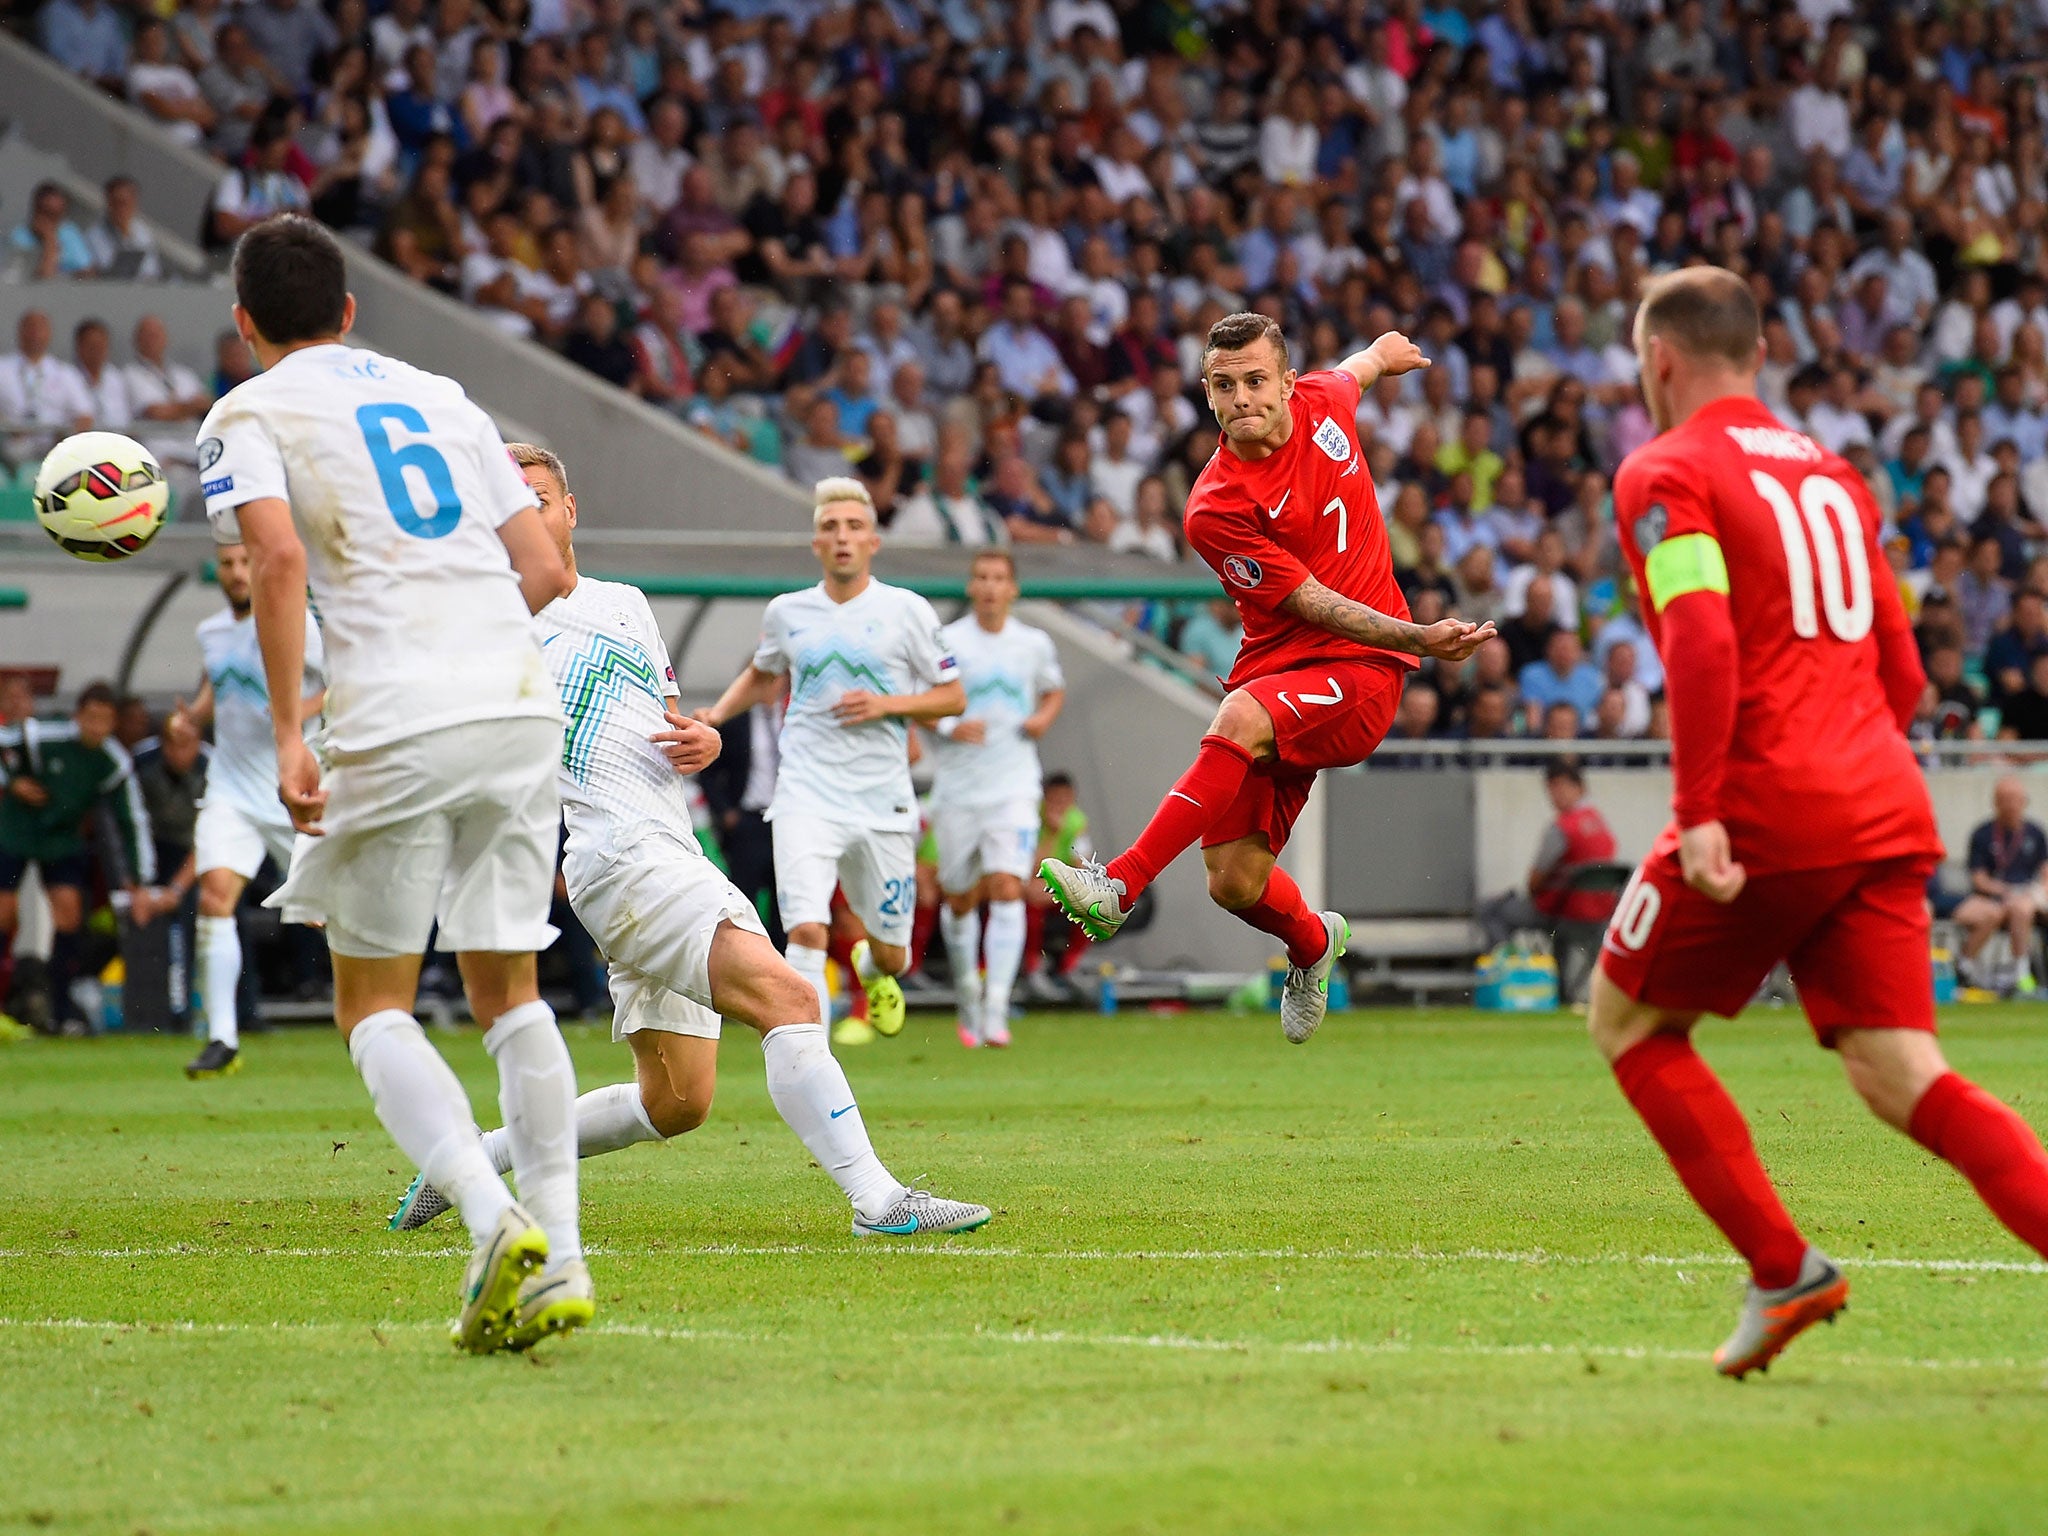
{"x":970,"y":250}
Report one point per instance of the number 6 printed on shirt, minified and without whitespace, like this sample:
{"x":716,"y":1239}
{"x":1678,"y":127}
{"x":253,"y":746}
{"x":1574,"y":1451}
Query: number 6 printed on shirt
{"x":1830,"y":515}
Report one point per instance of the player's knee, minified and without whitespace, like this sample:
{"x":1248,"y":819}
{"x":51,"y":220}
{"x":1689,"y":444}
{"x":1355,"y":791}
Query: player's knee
{"x":786,"y":998}
{"x":673,"y":1116}
{"x":1243,"y":719}
{"x":1005,"y":888}
{"x":811,"y":935}
{"x":1234,"y":888}
{"x":219,"y":893}
{"x":892,"y":958}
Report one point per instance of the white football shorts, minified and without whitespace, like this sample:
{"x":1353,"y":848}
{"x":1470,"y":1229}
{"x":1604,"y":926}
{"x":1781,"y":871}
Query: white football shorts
{"x":455,"y":826}
{"x":653,"y":914}
{"x":978,"y":840}
{"x":877,"y":870}
{"x":226,"y":836}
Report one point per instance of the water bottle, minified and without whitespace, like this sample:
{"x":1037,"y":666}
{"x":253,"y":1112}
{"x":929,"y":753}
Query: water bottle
{"x":1105,"y":990}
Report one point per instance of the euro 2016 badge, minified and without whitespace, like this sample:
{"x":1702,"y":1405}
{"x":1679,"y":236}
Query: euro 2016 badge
{"x":1242,"y":570}
{"x":1331,"y":439}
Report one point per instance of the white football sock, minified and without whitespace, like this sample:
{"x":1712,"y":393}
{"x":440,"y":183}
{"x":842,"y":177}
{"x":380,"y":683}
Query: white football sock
{"x":537,"y":1096}
{"x":607,"y":1120}
{"x":809,"y":963}
{"x":811,"y":1093}
{"x":421,"y":1104}
{"x":1005,"y":942}
{"x":963,"y":946}
{"x":220,"y":972}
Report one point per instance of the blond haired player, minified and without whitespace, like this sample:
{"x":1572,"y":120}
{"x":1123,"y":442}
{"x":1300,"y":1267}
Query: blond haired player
{"x":684,"y":945}
{"x":859,"y":659}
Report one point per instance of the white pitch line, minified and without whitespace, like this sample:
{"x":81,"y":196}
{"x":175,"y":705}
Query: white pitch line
{"x":1534,"y":1258}
{"x":1179,"y":1343}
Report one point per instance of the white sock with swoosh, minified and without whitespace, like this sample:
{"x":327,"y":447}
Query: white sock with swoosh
{"x":811,"y":1093}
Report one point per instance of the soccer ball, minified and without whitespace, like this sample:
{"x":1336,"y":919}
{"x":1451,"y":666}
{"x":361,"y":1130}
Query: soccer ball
{"x":101,"y":496}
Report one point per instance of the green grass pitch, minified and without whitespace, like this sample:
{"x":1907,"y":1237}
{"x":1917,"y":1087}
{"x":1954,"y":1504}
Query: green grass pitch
{"x":1426,"y":1274}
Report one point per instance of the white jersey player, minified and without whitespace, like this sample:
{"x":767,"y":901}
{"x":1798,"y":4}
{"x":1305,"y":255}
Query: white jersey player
{"x":858,"y":658}
{"x":683,"y":944}
{"x":241,"y":820}
{"x":986,"y":791}
{"x":390,"y":493}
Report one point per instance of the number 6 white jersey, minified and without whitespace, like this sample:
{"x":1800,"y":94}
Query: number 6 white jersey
{"x":398,"y":484}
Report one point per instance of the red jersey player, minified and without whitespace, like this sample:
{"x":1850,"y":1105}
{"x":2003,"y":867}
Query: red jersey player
{"x":1802,"y":829}
{"x":1285,"y":513}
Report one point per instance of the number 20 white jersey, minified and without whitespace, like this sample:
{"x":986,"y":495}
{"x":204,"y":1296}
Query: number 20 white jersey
{"x":398,"y":484}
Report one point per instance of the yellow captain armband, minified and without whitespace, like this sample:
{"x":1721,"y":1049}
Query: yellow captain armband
{"x":1690,"y":562}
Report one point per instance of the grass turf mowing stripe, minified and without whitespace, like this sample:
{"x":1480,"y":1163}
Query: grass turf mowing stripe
{"x":1532,"y":1257}
{"x":1031,"y":1337}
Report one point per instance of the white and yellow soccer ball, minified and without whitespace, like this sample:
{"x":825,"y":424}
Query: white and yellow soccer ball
{"x":101,"y":496}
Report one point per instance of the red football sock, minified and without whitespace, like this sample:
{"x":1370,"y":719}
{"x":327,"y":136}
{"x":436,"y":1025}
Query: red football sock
{"x":1281,"y":911}
{"x":1707,"y":1140}
{"x":1190,"y":808}
{"x":1993,"y":1148}
{"x":924,"y":922}
{"x":1034,"y":938}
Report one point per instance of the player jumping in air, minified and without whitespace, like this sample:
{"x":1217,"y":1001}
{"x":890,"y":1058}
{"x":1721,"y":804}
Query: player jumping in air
{"x":684,"y":945}
{"x":1285,"y":513}
{"x":241,"y":819}
{"x":988,"y":788}
{"x":1802,"y":829}
{"x":859,"y":658}
{"x":391,"y":493}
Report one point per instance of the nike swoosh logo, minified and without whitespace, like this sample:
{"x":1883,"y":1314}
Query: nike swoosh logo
{"x":1191,"y":800}
{"x":901,"y":1228}
{"x":1274,"y":511}
{"x":846,"y":1111}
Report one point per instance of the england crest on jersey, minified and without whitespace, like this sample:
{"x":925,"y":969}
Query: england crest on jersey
{"x":1329,"y":437}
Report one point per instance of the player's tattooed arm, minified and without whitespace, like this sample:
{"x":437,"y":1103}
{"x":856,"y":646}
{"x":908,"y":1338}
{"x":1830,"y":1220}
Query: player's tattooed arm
{"x":1392,"y":354}
{"x":1446,"y":640}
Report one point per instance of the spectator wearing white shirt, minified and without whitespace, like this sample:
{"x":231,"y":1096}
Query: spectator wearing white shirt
{"x":1834,"y":421}
{"x":1425,"y":181}
{"x":888,"y":346}
{"x":1630,"y":202}
{"x":1289,"y":139}
{"x":166,"y":89}
{"x":1116,"y":472}
{"x":1549,"y":562}
{"x":946,"y":510}
{"x":1816,"y":113}
{"x":166,"y":401}
{"x":656,"y":160}
{"x":42,"y":398}
{"x":92,"y":348}
{"x":917,"y":430}
{"x":1150,"y":531}
{"x":1970,"y":467}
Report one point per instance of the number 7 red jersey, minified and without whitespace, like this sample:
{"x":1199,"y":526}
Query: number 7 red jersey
{"x":1265,"y":526}
{"x":1818,"y":772}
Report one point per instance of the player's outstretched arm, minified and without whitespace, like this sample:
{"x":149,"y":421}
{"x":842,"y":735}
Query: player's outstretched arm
{"x":751,"y":687}
{"x":1393,"y":354}
{"x":1446,"y":640}
{"x":856,"y":707}
{"x":277,"y":578}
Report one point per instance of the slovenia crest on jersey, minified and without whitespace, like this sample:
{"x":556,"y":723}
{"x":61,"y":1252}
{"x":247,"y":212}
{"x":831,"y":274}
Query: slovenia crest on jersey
{"x":1329,"y":437}
{"x":1243,"y":570}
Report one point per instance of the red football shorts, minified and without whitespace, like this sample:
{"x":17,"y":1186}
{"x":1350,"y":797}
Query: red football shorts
{"x":1855,"y":937}
{"x":1329,"y":715}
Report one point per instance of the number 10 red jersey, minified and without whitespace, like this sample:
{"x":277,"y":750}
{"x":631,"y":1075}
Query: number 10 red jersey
{"x":1818,"y":772}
